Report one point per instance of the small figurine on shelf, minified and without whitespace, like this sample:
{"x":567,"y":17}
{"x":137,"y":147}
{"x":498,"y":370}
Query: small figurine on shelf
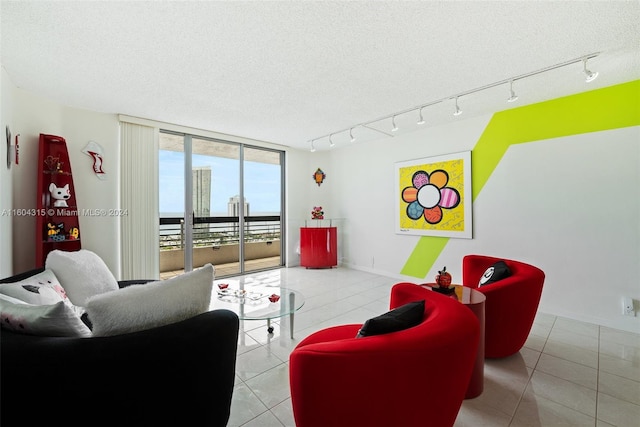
{"x":317,"y":213}
{"x":61,"y":194}
{"x":55,"y":232}
{"x":52,"y":229}
{"x":54,"y":165}
{"x":74,"y":233}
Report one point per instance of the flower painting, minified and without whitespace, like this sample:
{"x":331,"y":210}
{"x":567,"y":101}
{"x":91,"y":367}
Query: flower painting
{"x":434,"y":196}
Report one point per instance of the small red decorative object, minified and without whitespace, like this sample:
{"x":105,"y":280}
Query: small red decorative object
{"x":317,"y":213}
{"x":223,"y":285}
{"x":274,"y":298}
{"x":443,"y":279}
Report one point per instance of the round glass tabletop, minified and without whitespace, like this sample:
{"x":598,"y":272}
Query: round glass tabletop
{"x":258,"y":303}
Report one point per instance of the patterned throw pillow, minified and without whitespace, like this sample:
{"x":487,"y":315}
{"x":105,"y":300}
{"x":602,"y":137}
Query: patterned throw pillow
{"x":497,"y":271}
{"x":42,"y":288}
{"x":55,"y":320}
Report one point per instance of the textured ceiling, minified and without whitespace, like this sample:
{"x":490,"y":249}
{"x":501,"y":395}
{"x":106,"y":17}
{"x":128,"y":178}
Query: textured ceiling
{"x":289,"y":72}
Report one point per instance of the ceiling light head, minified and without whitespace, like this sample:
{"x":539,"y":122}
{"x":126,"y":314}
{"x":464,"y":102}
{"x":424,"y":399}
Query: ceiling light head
{"x":313,"y":149}
{"x":393,"y":123}
{"x":353,"y":138}
{"x":421,"y":119}
{"x":331,"y":143}
{"x":457,"y":111}
{"x":513,"y":96}
{"x":590,"y":75}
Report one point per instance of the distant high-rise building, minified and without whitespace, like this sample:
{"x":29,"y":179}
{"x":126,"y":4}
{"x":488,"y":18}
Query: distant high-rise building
{"x":201,"y":198}
{"x":202,"y":191}
{"x":233,"y":207}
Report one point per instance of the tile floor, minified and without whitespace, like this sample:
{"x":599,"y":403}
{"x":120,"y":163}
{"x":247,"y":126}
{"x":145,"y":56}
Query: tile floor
{"x":569,"y":373}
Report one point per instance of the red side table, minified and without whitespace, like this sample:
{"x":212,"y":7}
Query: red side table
{"x":475,"y":301}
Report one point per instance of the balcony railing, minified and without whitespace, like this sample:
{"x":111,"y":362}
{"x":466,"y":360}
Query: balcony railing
{"x":218,"y":231}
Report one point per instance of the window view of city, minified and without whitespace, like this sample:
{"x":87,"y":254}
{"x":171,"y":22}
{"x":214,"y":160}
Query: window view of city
{"x":217,"y":209}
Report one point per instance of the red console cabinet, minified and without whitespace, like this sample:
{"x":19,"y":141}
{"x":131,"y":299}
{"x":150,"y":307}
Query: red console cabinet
{"x":318,"y":247}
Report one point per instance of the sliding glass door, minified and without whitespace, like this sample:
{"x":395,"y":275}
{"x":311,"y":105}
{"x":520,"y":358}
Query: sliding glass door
{"x":220,"y":203}
{"x":262,"y":184}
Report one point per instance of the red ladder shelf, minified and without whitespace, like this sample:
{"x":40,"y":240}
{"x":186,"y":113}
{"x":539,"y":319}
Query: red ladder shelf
{"x":57,"y":225}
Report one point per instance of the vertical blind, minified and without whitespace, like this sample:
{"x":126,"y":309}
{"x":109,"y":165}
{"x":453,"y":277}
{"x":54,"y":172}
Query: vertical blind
{"x":139,"y":196}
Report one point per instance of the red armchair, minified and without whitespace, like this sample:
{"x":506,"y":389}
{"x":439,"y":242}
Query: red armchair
{"x":414,"y":377}
{"x":511,"y":304}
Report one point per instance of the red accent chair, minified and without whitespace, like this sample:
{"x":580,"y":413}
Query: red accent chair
{"x":511,"y":304}
{"x":414,"y":377}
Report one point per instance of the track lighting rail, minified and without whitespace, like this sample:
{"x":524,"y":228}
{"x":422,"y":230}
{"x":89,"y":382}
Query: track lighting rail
{"x":590,"y":76}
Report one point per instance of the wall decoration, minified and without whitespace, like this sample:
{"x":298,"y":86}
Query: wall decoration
{"x":16,"y":148}
{"x":434,"y":196}
{"x":8,"y":147}
{"x":95,"y":150}
{"x":319,"y":176}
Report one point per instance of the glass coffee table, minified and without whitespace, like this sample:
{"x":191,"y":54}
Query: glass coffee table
{"x":259,"y":303}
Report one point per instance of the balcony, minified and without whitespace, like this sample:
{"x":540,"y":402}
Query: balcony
{"x":216,"y":240}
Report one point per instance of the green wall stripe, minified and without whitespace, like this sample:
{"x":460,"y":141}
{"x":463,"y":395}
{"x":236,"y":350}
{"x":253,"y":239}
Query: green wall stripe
{"x":598,"y":110}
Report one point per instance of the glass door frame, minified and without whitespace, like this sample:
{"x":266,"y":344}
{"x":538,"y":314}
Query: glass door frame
{"x":189,"y":219}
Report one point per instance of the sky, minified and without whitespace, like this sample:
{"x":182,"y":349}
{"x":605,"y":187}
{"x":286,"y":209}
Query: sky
{"x":261,"y":181}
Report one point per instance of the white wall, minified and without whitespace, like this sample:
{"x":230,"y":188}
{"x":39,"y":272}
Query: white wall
{"x":33,"y":115}
{"x":366,"y":193}
{"x":303,"y":194}
{"x":6,"y":180}
{"x":568,"y":205}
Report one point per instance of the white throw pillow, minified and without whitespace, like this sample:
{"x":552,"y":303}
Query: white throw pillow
{"x":82,"y":274}
{"x":55,"y":320}
{"x":146,"y":306}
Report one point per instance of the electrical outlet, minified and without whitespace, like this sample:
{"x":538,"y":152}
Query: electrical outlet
{"x":627,"y":306}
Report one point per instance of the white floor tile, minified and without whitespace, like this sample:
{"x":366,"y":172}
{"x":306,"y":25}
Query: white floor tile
{"x":255,"y":362}
{"x":617,"y":412}
{"x":272,"y":386}
{"x":619,"y":387}
{"x":563,"y":392}
{"x":245,"y":406}
{"x":535,"y":411}
{"x":567,"y":370}
{"x":266,"y":419}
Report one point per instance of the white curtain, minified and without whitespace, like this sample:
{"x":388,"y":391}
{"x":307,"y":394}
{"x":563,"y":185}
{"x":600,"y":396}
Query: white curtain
{"x":139,"y":196}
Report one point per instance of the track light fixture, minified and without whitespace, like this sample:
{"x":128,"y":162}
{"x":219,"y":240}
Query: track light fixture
{"x":313,"y":149}
{"x":590,"y":75}
{"x":513,"y":96}
{"x":458,"y":111}
{"x":421,"y":119}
